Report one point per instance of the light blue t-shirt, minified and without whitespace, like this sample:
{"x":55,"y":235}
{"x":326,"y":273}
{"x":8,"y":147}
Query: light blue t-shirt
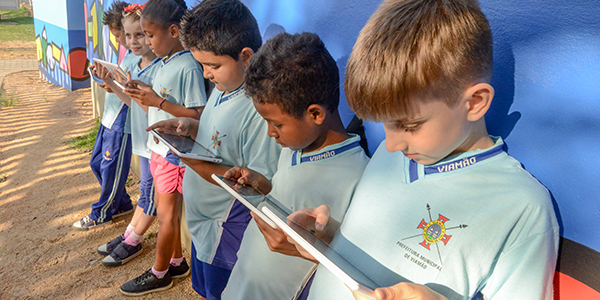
{"x":473,"y":223}
{"x":179,"y":80}
{"x":327,"y":176}
{"x":138,"y":117}
{"x":230,"y":127}
{"x":113,"y":104}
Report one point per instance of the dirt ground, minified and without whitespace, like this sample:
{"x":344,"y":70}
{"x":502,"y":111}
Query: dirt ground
{"x":17,"y":50}
{"x":45,"y":186}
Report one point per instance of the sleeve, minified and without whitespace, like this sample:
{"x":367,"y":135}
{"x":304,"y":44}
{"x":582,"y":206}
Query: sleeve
{"x":193,"y":89}
{"x":259,"y":151}
{"x":525,"y":270}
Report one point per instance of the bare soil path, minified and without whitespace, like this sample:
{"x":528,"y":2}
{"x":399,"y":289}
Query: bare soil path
{"x":45,"y":186}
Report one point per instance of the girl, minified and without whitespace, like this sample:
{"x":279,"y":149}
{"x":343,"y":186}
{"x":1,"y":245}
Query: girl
{"x":127,"y":246}
{"x":177,"y":91}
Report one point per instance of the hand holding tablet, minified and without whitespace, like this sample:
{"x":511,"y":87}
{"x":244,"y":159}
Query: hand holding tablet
{"x":182,"y":146}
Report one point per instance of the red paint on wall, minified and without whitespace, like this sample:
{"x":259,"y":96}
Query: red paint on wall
{"x":567,"y":288}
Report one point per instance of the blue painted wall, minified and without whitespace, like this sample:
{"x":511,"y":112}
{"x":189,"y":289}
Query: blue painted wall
{"x":547,"y":81}
{"x":60,"y":42}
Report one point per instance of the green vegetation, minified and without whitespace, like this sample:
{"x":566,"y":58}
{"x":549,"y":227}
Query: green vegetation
{"x":8,"y":100}
{"x":22,"y":31}
{"x":85,"y":142}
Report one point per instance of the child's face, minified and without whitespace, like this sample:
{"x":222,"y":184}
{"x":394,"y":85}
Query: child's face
{"x":135,"y":37}
{"x":297,"y":134}
{"x":118,"y":33}
{"x":225,"y":72}
{"x":160,"y":40}
{"x":434,"y":133}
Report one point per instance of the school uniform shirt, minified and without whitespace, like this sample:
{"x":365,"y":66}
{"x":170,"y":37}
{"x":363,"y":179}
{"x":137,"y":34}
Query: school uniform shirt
{"x":327,"y":176}
{"x":179,"y":80}
{"x":115,"y":116}
{"x":230,"y":127}
{"x":138,"y":117}
{"x":474,"y":225}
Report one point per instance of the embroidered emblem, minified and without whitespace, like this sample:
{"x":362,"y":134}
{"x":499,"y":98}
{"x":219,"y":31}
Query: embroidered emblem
{"x":164,"y":94}
{"x":107,"y":153}
{"x":434,"y":231}
{"x":216,"y":139}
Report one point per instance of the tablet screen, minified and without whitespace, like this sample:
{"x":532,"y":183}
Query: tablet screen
{"x":183,"y":146}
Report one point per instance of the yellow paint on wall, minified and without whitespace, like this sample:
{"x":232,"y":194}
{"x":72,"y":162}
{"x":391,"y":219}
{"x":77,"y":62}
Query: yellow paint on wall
{"x":38,"y":46}
{"x":95,"y":32}
{"x":56,"y":52}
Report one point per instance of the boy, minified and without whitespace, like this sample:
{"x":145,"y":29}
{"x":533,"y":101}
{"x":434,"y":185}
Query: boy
{"x":441,"y":212}
{"x":111,"y":156}
{"x":222,"y":36}
{"x":320,"y":162}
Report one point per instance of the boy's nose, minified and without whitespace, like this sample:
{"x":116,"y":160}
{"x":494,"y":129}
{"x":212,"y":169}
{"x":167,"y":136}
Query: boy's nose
{"x":271,"y":131}
{"x":394,"y":142}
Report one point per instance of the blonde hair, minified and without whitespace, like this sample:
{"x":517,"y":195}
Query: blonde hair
{"x":417,"y":51}
{"x":133,"y":12}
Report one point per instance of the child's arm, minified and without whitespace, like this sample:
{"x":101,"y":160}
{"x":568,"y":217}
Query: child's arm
{"x":143,"y":94}
{"x":206,"y":169}
{"x":245,"y":176}
{"x":277,"y":239}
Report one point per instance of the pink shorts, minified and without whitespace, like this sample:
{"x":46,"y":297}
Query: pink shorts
{"x":167,"y":176}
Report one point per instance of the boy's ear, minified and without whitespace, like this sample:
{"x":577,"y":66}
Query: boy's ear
{"x":246,"y":55}
{"x":174,"y":31}
{"x":479,"y":98}
{"x":316,"y":113}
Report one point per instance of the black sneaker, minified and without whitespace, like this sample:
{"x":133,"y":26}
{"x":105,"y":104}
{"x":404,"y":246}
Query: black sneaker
{"x":107,"y":248}
{"x":122,"y":254}
{"x":146,"y":283}
{"x":181,"y":271}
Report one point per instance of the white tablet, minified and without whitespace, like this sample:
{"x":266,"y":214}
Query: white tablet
{"x":182,"y":146}
{"x":94,"y":77}
{"x":251,"y":198}
{"x":334,"y":262}
{"x":111,"y":67}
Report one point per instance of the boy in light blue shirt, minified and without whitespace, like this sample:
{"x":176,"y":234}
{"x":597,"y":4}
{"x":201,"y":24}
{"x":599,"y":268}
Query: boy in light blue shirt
{"x":441,"y":212}
{"x":222,"y":36}
{"x":320,"y":162}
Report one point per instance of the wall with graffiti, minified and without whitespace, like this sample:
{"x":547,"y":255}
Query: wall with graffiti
{"x":60,"y":42}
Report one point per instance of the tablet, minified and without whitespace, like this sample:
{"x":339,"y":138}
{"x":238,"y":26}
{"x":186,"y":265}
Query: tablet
{"x":334,"y":262}
{"x":111,"y":67}
{"x":182,"y":146}
{"x":252,"y":198}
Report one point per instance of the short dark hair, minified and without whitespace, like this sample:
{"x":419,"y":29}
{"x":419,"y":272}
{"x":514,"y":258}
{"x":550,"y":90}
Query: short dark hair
{"x":113,"y":16}
{"x":294,"y":72}
{"x":164,"y":12}
{"x":224,"y":27}
{"x":414,"y":51}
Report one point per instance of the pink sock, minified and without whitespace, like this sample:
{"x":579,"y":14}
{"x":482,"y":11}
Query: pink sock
{"x":159,"y":274}
{"x":128,"y":231}
{"x":133,"y":239}
{"x":176,"y":262}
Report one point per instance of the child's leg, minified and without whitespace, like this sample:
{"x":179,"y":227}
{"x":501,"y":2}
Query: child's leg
{"x":97,"y":158}
{"x":145,"y":212}
{"x":168,"y":244}
{"x":114,"y":169}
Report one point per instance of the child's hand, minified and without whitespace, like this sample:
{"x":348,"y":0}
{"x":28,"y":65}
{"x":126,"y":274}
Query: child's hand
{"x":276,"y":238}
{"x":317,"y":219}
{"x":143,"y":93}
{"x":102,"y":73}
{"x":105,"y":86}
{"x":181,"y":126}
{"x":406,"y":291}
{"x":245,"y":176}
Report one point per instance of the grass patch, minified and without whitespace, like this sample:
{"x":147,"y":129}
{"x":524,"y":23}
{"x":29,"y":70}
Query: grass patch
{"x":22,"y":31}
{"x":8,"y":100}
{"x":85,"y":142}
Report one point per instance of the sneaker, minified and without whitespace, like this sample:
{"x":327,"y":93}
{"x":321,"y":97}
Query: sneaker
{"x":87,"y":223}
{"x":181,"y":271}
{"x":122,"y":254}
{"x":146,"y":283}
{"x":120,"y":213}
{"x":107,"y":248}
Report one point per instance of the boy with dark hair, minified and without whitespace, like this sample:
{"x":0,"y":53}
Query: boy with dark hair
{"x":229,"y":126}
{"x":294,"y":83}
{"x":441,"y":212}
{"x":111,"y":156}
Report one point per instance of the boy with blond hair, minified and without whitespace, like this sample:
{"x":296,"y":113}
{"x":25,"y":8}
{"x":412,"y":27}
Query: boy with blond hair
{"x":442,"y":211}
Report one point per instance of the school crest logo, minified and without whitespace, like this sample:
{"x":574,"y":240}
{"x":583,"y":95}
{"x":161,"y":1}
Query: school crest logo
{"x":216,"y":139}
{"x":164,"y":94}
{"x":107,"y":155}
